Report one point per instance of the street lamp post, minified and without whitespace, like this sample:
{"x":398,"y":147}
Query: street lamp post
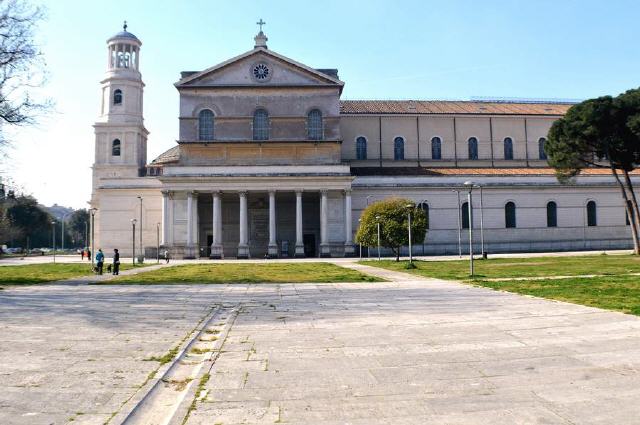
{"x":409,"y":207}
{"x":133,"y":241}
{"x":484,"y":253}
{"x":459,"y":224}
{"x":158,"y":243}
{"x":469,"y":185}
{"x":141,"y":249}
{"x":378,"y":225}
{"x":62,"y":235}
{"x":53,"y":239}
{"x":368,"y":248}
{"x":360,"y":243}
{"x":93,"y":240}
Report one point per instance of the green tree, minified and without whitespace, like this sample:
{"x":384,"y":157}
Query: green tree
{"x":599,"y":133}
{"x":25,"y":216}
{"x":78,"y":223}
{"x":392,"y":214}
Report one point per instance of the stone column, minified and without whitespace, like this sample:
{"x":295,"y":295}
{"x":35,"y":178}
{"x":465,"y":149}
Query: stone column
{"x":349,"y":249}
{"x":189,"y":251}
{"x":165,"y":218}
{"x":299,"y":242}
{"x":216,"y":245}
{"x":243,"y":246}
{"x":272,"y":249}
{"x":325,"y":250}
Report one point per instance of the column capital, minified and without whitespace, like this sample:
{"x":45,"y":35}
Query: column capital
{"x":324,"y":191}
{"x":298,"y":191}
{"x":347,"y":191}
{"x":242,"y":192}
{"x":272,"y":191}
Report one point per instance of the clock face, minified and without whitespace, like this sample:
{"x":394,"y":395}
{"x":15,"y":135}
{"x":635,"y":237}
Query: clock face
{"x":261,"y":72}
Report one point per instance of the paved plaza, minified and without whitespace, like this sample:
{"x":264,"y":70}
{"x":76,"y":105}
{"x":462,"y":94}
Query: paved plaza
{"x":407,"y":351}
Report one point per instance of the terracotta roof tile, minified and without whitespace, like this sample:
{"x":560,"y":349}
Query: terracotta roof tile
{"x":451,"y":107}
{"x":170,"y":155}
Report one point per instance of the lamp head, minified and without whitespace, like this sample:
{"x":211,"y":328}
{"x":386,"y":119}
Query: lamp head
{"x":134,"y":221}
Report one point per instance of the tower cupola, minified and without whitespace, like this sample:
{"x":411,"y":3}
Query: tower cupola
{"x":124,"y":51}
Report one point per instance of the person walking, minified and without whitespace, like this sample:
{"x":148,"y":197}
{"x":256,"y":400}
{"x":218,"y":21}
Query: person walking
{"x":99,"y":261}
{"x":82,"y":254}
{"x":166,"y":255}
{"x":116,"y":262}
{"x":88,"y":254}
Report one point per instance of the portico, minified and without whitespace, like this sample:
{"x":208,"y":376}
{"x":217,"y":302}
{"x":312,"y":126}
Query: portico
{"x":274,"y":217}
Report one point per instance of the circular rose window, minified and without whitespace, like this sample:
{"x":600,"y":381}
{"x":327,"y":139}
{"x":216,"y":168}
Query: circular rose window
{"x":261,"y":72}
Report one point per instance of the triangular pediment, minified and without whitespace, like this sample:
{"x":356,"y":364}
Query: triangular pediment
{"x":259,"y":67}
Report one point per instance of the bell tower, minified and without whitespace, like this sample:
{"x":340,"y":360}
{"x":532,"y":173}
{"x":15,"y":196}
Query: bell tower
{"x":120,"y":135}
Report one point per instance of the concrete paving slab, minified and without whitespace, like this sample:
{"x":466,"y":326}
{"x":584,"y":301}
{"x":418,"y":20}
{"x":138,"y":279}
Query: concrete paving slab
{"x":407,"y":351}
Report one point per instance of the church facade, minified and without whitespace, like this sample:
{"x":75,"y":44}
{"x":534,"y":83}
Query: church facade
{"x":270,"y":162}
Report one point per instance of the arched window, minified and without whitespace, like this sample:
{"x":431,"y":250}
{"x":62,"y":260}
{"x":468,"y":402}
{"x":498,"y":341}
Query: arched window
{"x":552,"y":214}
{"x":510,"y":215}
{"x":115,"y":147}
{"x":464,"y":211}
{"x":398,"y":148}
{"x":592,"y":217}
{"x":314,"y":125}
{"x":473,"y":148}
{"x":117,"y":97}
{"x":541,"y":153}
{"x":508,"y":148}
{"x":436,"y":148}
{"x":425,"y":208}
{"x":361,"y":148}
{"x":260,"y":125}
{"x":205,"y":125}
{"x":626,"y":213}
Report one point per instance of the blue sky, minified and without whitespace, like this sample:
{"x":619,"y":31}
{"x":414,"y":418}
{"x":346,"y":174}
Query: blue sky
{"x":383,"y":50}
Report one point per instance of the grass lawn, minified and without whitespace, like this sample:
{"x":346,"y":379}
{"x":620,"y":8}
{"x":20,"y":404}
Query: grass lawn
{"x":621,"y":293}
{"x":612,"y":289}
{"x":41,"y":273}
{"x":247,"y":273}
{"x":520,"y":267}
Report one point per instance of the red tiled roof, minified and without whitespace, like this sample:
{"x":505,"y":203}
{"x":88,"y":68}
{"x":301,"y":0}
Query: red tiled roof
{"x":450,"y":107}
{"x":170,"y":155}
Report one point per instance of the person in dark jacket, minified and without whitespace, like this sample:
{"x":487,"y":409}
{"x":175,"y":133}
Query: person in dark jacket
{"x":116,"y":262}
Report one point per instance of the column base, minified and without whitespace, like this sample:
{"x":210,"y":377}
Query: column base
{"x":216,"y":252}
{"x":190,"y":252}
{"x":325,"y":251}
{"x":272,"y":251}
{"x":299,"y":252}
{"x":243,"y":252}
{"x":349,"y":250}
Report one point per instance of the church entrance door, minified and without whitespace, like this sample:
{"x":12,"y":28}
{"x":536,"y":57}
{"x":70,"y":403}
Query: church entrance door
{"x":309,"y":241}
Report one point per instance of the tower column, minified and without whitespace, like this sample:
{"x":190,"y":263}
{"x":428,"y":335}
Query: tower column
{"x":189,"y":251}
{"x":348,"y":230}
{"x":216,"y":246}
{"x":165,"y":218}
{"x":243,"y":246}
{"x":299,"y":252}
{"x":325,"y":250}
{"x":272,"y":249}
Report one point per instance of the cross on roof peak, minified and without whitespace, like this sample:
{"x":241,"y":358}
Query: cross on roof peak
{"x":261,"y":23}
{"x":124,"y":26}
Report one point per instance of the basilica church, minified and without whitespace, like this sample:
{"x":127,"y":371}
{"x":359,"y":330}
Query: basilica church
{"x":271,"y":162}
